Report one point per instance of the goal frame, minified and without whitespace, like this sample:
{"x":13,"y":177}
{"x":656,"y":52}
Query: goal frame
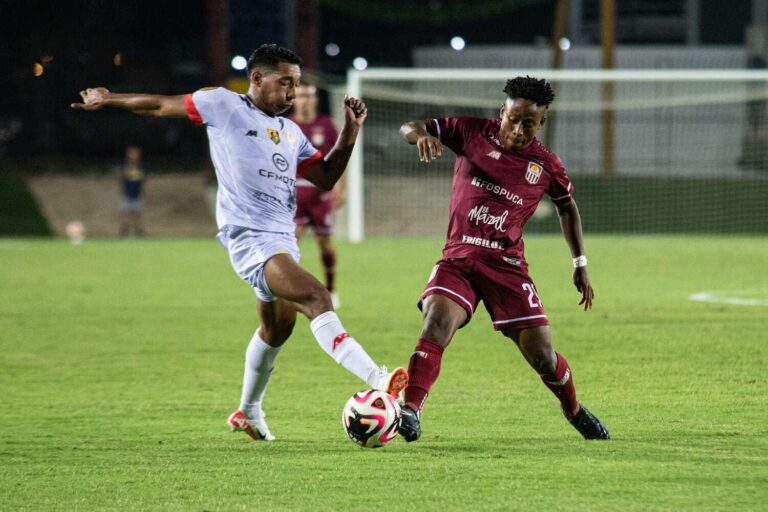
{"x":356,"y":88}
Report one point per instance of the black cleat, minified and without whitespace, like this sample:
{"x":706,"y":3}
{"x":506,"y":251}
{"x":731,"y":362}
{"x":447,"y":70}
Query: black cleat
{"x":410,"y":427}
{"x":587,"y":424}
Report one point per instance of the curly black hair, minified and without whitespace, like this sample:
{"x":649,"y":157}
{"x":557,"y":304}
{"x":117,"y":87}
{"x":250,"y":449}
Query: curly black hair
{"x":531,"y":89}
{"x":270,"y":55}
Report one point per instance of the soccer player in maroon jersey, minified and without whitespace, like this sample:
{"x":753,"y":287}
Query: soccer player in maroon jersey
{"x":502,"y":171}
{"x":315,"y":207}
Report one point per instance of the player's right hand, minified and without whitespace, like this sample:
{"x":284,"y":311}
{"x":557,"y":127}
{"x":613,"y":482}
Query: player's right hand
{"x":93,"y":99}
{"x":581,"y":281}
{"x":429,"y":148}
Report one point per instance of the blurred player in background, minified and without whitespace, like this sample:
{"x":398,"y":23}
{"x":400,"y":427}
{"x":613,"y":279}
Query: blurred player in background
{"x":132,"y":176}
{"x":502,"y":171}
{"x":258,"y":156}
{"x":315,"y":207}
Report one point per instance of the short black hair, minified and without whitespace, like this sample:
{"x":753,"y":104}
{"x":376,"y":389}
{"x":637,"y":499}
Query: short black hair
{"x":531,"y":89}
{"x":270,"y":55}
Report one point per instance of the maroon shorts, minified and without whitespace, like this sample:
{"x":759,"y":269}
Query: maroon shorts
{"x":508,"y":294}
{"x":314,"y":207}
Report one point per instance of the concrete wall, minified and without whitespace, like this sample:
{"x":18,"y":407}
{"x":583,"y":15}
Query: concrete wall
{"x":174,"y":204}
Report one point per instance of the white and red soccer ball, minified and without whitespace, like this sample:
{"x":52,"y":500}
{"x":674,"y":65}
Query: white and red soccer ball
{"x":371,"y":418}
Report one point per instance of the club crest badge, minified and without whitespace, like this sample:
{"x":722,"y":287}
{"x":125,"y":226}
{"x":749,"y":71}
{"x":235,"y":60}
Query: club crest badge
{"x":318,"y":137}
{"x":533,"y":173}
{"x":274,"y":135}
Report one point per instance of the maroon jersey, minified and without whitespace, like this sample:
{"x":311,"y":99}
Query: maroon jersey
{"x":495,"y":190}
{"x":321,"y":133}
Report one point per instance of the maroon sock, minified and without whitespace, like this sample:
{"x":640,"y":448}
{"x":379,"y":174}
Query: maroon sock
{"x":561,"y":384}
{"x":423,"y":371}
{"x":329,"y":264}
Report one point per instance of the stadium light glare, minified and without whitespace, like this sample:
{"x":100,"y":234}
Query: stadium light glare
{"x":360,"y":63}
{"x":239,"y":62}
{"x":458,"y":43}
{"x":332,"y":49}
{"x":564,"y":43}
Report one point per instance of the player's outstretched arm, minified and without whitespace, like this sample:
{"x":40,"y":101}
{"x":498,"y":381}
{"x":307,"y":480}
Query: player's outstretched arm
{"x":415,"y":132}
{"x":570,"y":223}
{"x":325,"y":174}
{"x":143,"y":104}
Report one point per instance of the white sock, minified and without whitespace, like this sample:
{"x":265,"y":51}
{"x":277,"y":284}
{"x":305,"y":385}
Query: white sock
{"x":259,"y":362}
{"x":343,"y":348}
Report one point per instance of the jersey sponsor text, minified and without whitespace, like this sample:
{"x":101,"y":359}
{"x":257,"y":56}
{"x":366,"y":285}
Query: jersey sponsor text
{"x":480,"y":214}
{"x":497,"y":189}
{"x":482,"y":242}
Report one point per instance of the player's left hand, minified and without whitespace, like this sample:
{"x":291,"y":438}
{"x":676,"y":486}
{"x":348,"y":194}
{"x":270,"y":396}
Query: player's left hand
{"x":93,"y":99}
{"x":355,"y":111}
{"x":581,"y":281}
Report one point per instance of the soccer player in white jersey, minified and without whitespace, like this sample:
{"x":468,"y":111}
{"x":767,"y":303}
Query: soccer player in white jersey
{"x":258,"y":156}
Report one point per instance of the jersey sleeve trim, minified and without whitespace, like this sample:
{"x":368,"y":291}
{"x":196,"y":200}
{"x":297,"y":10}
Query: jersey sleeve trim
{"x":306,"y":164}
{"x":192,"y":112}
{"x":567,"y":197}
{"x":437,"y":128}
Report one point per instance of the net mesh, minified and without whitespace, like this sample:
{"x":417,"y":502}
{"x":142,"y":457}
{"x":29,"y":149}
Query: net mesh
{"x":688,"y":155}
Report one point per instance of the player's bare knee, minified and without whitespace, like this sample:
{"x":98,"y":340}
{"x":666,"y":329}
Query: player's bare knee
{"x":317,"y":300}
{"x":543,"y":362}
{"x":541,"y":356}
{"x":325,"y":243}
{"x":438,"y":328}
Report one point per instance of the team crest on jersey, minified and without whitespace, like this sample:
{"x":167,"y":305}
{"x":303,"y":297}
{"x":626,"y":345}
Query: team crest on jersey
{"x":533,"y":173}
{"x":318,"y":137}
{"x":274,"y":135}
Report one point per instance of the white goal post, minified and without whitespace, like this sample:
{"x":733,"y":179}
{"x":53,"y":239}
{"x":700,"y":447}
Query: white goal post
{"x":688,"y":107}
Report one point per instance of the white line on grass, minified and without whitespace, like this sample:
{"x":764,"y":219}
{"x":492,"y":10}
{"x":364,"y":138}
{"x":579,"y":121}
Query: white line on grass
{"x":735,"y":298}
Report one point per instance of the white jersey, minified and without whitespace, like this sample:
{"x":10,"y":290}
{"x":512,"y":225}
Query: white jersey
{"x":257,"y":159}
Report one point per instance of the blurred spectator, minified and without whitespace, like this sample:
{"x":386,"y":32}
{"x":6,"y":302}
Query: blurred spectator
{"x":315,"y":208}
{"x":132,"y":176}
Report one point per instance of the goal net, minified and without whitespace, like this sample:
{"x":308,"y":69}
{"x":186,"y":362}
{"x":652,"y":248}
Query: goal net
{"x":647,"y":151}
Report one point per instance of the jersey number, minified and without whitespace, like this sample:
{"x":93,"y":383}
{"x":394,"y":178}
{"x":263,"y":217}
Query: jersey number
{"x":533,"y":297}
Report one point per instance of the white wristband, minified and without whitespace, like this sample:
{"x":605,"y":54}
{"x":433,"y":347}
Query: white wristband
{"x":579,"y":261}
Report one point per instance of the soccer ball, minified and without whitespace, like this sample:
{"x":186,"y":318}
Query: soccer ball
{"x":371,"y":418}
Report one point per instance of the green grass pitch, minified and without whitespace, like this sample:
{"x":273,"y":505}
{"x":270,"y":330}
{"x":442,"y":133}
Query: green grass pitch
{"x":120,"y":361}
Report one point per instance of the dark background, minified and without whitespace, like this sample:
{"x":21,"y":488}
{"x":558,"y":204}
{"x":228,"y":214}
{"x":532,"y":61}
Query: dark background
{"x":163,"y":48}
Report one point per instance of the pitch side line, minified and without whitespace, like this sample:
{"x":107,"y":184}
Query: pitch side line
{"x":735,"y":298}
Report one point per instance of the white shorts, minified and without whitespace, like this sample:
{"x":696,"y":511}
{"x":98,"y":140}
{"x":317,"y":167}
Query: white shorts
{"x":250,"y":249}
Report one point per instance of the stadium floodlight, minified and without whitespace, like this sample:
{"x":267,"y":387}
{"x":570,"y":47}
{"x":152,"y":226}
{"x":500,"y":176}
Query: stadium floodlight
{"x":687,"y":134}
{"x":239,"y":62}
{"x":360,"y":63}
{"x":458,"y":43}
{"x":332,"y":49}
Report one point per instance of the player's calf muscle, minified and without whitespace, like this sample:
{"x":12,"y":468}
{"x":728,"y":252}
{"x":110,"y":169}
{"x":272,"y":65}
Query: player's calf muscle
{"x":277,"y":333}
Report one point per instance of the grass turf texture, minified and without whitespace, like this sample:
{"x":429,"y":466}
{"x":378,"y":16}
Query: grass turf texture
{"x":121,"y":361}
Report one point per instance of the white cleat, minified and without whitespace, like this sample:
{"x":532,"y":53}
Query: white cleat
{"x":335,"y":300}
{"x":257,"y":429}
